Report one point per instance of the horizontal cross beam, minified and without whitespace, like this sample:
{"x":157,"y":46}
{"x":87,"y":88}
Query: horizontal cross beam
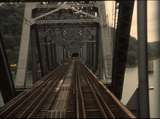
{"x":71,"y":4}
{"x":67,"y":21}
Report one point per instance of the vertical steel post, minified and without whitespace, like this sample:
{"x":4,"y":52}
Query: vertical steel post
{"x":49,"y":54}
{"x":143,"y":96}
{"x":87,"y":50}
{"x":55,"y":55}
{"x":33,"y":54}
{"x":89,"y":55}
{"x":93,"y":56}
{"x":52,"y":57}
{"x":46,"y":52}
{"x":24,"y":47}
{"x":94,"y":61}
{"x":6,"y":83}
{"x":39,"y":50}
{"x":63,"y":53}
{"x":97,"y":46}
{"x":100,"y":61}
{"x":121,"y":46}
{"x":155,"y":34}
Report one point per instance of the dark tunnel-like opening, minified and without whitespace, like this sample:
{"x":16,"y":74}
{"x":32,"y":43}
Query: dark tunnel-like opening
{"x":75,"y":54}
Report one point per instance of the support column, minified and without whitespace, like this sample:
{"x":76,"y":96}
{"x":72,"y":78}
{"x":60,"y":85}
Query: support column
{"x":6,"y":83}
{"x":39,"y":50}
{"x":24,"y":46}
{"x":87,"y":58}
{"x":55,"y":54}
{"x":97,"y":47}
{"x":154,"y":33}
{"x":49,"y":54}
{"x":34,"y":59}
{"x":94,"y":58}
{"x":92,"y":49}
{"x":63,"y":53}
{"x":143,"y":96}
{"x":46,"y":53}
{"x":100,"y":61}
{"x":105,"y":42}
{"x":121,"y":46}
{"x":84,"y":53}
{"x":52,"y":55}
{"x":58,"y":56}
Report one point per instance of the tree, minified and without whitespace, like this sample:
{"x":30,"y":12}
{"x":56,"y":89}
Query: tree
{"x":10,"y":27}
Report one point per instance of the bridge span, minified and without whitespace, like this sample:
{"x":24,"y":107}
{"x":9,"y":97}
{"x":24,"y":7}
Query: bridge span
{"x":70,"y":48}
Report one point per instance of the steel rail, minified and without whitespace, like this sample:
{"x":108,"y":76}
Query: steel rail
{"x":104,"y":104}
{"x":77,"y":98}
{"x":86,"y":97}
{"x":108,"y":110}
{"x":71,"y":106}
{"x":44,"y":97}
{"x":53,"y":86}
{"x":41,"y":97}
{"x":20,"y":102}
{"x":13,"y":103}
{"x":34,"y":111}
{"x":80,"y":108}
{"x":34,"y":94}
{"x":100,"y":96}
{"x":81,"y":94}
{"x":59,"y":107}
{"x":95,"y":96}
{"x":122,"y":109}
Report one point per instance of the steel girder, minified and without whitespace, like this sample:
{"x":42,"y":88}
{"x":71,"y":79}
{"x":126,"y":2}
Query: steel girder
{"x":6,"y":83}
{"x":121,"y":46}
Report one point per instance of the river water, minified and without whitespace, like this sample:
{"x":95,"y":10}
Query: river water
{"x":131,"y":83}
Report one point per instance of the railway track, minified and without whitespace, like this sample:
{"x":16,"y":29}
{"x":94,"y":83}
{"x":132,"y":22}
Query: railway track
{"x":30,"y":102}
{"x":91,"y":99}
{"x":70,"y":91}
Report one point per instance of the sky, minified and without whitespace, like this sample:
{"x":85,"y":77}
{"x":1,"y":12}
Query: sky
{"x":151,"y":21}
{"x":151,"y":18}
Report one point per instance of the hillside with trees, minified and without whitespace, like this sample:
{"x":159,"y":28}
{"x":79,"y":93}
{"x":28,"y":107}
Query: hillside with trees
{"x":153,"y":51}
{"x":10,"y":28}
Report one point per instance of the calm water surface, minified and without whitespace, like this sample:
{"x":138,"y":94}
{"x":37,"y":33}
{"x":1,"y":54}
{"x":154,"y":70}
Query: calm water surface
{"x":131,"y":83}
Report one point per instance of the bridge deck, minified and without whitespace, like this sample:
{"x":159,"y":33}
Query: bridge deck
{"x":70,"y":91}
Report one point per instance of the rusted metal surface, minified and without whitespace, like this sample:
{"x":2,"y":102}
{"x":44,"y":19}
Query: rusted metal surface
{"x":70,"y":91}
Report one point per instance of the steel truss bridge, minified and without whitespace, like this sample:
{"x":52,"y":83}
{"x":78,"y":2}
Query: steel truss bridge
{"x":72,"y":49}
